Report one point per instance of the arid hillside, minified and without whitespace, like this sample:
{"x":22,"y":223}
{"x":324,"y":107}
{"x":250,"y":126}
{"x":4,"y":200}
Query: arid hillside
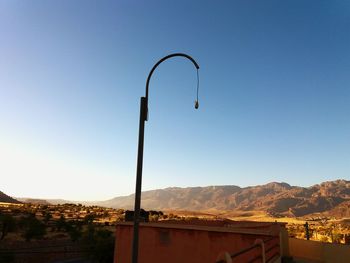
{"x":275,"y":198}
{"x":7,"y":199}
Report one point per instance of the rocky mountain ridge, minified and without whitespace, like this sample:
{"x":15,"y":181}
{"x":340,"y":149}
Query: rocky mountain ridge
{"x":277,"y":199}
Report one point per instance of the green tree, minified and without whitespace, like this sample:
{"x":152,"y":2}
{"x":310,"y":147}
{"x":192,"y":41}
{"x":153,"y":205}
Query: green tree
{"x":61,"y":223}
{"x":7,"y":224}
{"x":73,"y":228}
{"x":33,"y":228}
{"x":47,"y":217}
{"x":89,"y":219}
{"x":100,"y":244}
{"x":153,"y":218}
{"x":337,"y":238}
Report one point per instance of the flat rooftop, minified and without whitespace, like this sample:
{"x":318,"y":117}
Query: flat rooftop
{"x":239,"y":227}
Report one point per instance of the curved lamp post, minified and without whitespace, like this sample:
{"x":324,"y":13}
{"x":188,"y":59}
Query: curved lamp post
{"x":143,"y":118}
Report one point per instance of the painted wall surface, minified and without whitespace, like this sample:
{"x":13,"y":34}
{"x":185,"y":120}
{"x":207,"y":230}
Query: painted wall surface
{"x":319,"y":251}
{"x":174,"y":245}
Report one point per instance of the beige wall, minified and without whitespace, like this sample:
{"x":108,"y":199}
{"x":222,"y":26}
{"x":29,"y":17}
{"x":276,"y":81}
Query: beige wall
{"x":284,"y":242}
{"x":318,"y":251}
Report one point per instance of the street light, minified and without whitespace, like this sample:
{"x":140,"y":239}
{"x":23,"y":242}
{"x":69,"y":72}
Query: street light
{"x":143,"y":118}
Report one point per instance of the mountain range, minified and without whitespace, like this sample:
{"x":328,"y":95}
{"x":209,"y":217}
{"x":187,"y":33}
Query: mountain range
{"x":274,"y":198}
{"x":277,"y":199}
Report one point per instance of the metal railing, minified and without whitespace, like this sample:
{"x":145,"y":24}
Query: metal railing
{"x":268,"y":252}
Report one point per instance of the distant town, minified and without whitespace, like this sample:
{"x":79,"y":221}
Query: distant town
{"x":71,"y":230}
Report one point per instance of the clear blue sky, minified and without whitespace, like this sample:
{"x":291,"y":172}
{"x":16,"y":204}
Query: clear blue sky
{"x":274,"y":94}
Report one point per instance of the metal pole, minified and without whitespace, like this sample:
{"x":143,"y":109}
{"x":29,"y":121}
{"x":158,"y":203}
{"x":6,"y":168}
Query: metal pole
{"x":143,"y":116}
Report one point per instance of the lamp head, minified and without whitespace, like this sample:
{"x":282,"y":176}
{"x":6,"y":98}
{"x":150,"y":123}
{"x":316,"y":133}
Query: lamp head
{"x":196,"y":104}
